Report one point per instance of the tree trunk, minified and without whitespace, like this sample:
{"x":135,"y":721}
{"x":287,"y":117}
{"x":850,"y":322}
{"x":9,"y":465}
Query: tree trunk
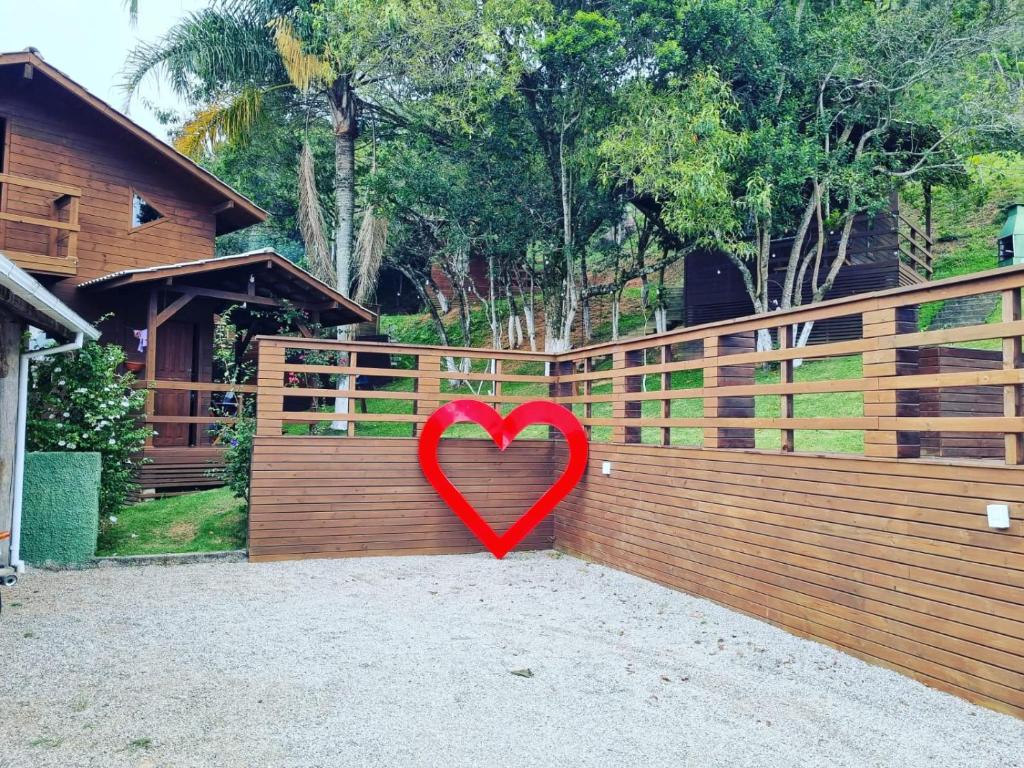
{"x":343,"y":120}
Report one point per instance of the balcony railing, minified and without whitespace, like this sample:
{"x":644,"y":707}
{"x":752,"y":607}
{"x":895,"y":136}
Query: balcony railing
{"x":60,"y":226}
{"x":915,"y":247}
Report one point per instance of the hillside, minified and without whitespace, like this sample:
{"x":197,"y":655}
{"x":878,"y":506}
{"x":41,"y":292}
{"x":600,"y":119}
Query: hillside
{"x":965,"y":221}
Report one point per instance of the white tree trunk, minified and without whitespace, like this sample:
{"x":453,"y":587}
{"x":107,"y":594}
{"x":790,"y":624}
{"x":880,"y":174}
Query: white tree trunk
{"x":660,"y":320}
{"x":531,"y":326}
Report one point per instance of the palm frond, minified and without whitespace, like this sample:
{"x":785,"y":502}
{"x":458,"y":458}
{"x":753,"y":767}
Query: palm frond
{"x":212,"y":51}
{"x":133,"y":11}
{"x":305,"y":70}
{"x":370,"y":245}
{"x":311,"y":220}
{"x":219,"y":122}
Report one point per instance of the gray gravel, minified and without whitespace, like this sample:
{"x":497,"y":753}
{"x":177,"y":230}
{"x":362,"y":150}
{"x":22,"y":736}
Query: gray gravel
{"x":409,"y":662}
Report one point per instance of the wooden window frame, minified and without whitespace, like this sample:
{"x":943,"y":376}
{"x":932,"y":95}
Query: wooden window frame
{"x":132,"y":229}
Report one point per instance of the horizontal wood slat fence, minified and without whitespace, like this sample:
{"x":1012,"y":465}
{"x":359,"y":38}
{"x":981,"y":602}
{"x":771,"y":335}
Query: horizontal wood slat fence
{"x":726,"y":481}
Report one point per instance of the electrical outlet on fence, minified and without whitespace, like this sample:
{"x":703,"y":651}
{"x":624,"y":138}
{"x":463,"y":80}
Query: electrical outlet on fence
{"x":606,"y":467}
{"x":999,"y":516}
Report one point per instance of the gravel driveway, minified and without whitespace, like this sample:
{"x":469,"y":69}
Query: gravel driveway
{"x":411,"y":662}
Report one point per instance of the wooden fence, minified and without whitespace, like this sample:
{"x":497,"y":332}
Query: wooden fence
{"x":786,"y":482}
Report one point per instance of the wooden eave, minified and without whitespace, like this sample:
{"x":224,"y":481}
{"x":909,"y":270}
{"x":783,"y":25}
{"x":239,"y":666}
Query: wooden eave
{"x":289,"y":283}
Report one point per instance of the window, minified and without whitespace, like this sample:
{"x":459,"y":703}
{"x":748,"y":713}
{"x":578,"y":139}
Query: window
{"x":143,"y":212}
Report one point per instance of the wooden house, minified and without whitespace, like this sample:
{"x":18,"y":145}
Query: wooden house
{"x":121,"y":227}
{"x":885,"y":251}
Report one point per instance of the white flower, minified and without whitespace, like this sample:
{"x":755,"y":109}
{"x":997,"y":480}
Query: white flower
{"x":57,"y":369}
{"x":66,"y":415}
{"x":72,"y":446}
{"x":61,"y":383}
{"x":112,"y":519}
{"x":80,"y":390}
{"x":112,"y":441}
{"x":61,"y":443}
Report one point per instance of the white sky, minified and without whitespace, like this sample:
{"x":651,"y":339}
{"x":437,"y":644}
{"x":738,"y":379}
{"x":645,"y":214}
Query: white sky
{"x":89,"y":40}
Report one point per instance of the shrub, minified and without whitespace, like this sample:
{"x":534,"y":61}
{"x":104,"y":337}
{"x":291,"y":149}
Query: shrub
{"x":79,"y":402}
{"x":238,"y":457}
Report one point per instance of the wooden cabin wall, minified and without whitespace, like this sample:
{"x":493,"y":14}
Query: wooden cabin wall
{"x":714,"y":290}
{"x":53,"y":137}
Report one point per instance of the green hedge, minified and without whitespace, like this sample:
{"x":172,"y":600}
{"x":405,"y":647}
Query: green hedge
{"x":60,"y":511}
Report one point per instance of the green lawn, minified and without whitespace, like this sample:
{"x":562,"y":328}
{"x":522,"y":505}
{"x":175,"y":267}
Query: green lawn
{"x":205,"y":521}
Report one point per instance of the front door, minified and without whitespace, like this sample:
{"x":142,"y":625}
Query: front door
{"x":175,"y":361}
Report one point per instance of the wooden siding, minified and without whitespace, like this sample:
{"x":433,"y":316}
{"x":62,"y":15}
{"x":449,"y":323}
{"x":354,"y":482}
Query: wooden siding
{"x":324,"y":497}
{"x":52,"y":138}
{"x":890,"y":561}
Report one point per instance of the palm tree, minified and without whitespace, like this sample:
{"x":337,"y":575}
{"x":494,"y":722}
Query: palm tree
{"x":238,"y":60}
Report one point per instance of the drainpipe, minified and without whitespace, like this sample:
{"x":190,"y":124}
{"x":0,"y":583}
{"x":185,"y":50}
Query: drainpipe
{"x":19,"y":447}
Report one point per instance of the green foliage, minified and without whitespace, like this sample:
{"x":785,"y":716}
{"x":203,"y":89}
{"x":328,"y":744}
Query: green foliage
{"x":238,"y":456}
{"x":79,"y":402}
{"x":520,"y":132}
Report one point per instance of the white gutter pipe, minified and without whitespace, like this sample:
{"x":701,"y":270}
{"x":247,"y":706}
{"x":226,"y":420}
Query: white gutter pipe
{"x":19,"y":446}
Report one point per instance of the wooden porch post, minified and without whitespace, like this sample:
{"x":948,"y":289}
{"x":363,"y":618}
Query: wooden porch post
{"x":151,"y":329}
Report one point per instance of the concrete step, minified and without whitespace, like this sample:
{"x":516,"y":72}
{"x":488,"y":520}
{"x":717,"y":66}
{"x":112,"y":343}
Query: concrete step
{"x":967,"y":310}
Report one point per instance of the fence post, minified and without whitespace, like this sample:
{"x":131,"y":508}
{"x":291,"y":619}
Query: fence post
{"x":622,"y":409}
{"x":666,"y":386}
{"x":558,"y":389}
{"x":353,"y":385}
{"x":428,"y":386}
{"x":886,"y":403}
{"x":618,"y":399}
{"x":786,"y":377}
{"x":1013,"y":358}
{"x":270,"y":402}
{"x":717,"y":377}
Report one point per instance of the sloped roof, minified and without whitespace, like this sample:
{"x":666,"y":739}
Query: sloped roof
{"x":290,"y":282}
{"x":241,"y":212}
{"x":26,"y":297}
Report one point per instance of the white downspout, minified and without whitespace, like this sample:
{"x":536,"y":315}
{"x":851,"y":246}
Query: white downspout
{"x":19,"y":446}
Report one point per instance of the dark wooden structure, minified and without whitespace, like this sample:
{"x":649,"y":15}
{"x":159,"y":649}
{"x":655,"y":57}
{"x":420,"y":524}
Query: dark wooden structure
{"x":963,"y":402}
{"x":120,"y":225}
{"x":885,"y":251}
{"x":887,"y":555}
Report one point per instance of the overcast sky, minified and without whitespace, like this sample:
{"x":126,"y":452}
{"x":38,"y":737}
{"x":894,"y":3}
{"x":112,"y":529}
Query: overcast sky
{"x":89,"y":40}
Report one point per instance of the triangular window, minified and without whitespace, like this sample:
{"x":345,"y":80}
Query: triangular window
{"x":143,"y":212}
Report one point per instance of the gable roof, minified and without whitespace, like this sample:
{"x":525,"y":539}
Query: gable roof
{"x":236,"y":213}
{"x":230,"y":272}
{"x":25,"y":297}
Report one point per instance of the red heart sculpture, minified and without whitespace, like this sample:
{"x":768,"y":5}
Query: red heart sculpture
{"x":503,"y":431}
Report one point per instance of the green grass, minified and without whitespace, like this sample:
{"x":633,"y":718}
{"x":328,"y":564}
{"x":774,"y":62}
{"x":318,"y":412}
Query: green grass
{"x":835,"y":405}
{"x":206,"y":521}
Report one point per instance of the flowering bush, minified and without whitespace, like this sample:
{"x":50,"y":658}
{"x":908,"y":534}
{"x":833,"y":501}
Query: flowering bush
{"x":79,"y":402}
